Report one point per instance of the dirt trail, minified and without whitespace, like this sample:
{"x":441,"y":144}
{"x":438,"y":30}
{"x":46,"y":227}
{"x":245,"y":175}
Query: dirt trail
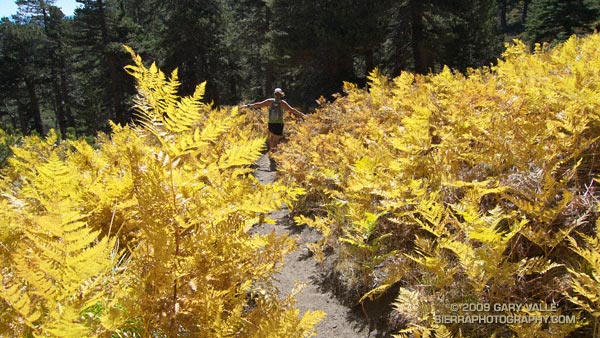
{"x":299,"y":267}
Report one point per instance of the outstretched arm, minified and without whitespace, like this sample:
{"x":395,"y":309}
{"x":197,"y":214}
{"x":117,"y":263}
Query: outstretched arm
{"x":260,"y":104}
{"x":293,"y":110}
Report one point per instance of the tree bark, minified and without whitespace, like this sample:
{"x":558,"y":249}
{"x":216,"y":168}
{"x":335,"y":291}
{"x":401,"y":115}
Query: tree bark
{"x":269,"y":78}
{"x":502,"y":12}
{"x":57,"y":73}
{"x":35,"y":107}
{"x":369,"y":61}
{"x":64,"y":87}
{"x":419,"y":49}
{"x":112,"y":64}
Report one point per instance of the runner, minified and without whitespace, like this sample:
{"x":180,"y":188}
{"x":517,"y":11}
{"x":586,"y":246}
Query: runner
{"x":277,"y":107}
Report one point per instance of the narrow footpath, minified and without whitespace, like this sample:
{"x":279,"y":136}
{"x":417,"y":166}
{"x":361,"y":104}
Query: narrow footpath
{"x":300,"y":268}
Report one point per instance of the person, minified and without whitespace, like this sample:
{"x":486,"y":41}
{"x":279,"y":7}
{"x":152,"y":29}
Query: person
{"x":277,"y":107}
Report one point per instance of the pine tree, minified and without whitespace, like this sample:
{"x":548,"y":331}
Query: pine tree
{"x":247,"y":36}
{"x":98,"y":38}
{"x":557,"y":20}
{"x":426,"y":35}
{"x":50,"y":18}
{"x":475,"y":41}
{"x":21,"y":73}
{"x":192,"y":42}
{"x":317,"y":46}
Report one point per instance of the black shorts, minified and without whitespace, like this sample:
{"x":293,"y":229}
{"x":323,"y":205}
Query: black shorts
{"x":276,"y":128}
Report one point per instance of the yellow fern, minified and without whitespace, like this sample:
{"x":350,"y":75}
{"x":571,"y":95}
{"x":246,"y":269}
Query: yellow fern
{"x":176,"y":192}
{"x":60,"y":265}
{"x":484,"y":175}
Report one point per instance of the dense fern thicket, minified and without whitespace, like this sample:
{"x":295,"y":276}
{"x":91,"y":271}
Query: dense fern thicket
{"x":145,"y":232}
{"x":452,"y":188}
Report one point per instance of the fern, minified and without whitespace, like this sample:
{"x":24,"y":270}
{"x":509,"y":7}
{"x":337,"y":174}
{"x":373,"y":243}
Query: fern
{"x":585,"y":282}
{"x":176,"y":192}
{"x":58,"y":268}
{"x":194,"y":208}
{"x":484,"y":175}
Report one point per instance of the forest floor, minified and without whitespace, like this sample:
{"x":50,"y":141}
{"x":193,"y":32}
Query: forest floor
{"x":300,"y":268}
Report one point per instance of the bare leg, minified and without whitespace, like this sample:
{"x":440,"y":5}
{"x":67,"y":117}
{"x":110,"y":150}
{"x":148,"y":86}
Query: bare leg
{"x":273,"y":141}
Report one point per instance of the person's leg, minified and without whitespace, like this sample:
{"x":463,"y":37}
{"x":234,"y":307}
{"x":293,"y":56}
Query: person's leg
{"x":273,"y":141}
{"x":275,"y":133}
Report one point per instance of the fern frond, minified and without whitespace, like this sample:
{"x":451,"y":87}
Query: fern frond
{"x":242,"y":154}
{"x":18,"y":299}
{"x":157,"y":102}
{"x":56,"y":266}
{"x":586,"y":285}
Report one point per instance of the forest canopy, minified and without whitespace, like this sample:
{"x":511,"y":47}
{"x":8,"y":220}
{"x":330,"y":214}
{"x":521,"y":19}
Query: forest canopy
{"x":66,"y":72}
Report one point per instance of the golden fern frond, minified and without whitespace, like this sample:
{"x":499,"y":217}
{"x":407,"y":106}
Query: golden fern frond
{"x":53,"y":180}
{"x":67,"y":324}
{"x":188,"y":111}
{"x":212,"y":131}
{"x":586,"y":285}
{"x":374,"y":293}
{"x":426,"y":251}
{"x":324,"y":226}
{"x":309,"y":320}
{"x":242,"y":154}
{"x":409,"y":303}
{"x":419,"y":313}
{"x":286,"y":320}
{"x":18,"y":299}
{"x":535,"y":265}
{"x":590,"y":254}
{"x":85,"y":155}
{"x":9,"y":222}
{"x":465,"y":253}
{"x":321,"y":224}
{"x":158,"y":103}
{"x":58,"y":267}
{"x":261,"y":201}
{"x":586,"y":291}
{"x":362,"y":231}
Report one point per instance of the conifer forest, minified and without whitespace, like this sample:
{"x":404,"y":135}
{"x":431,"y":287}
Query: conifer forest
{"x":442,"y":184}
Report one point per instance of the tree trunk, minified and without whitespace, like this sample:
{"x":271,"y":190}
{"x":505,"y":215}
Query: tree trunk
{"x":58,"y":103}
{"x":22,"y":113}
{"x":57,"y":66}
{"x":64,"y":87}
{"x":35,"y":107}
{"x":418,"y":37}
{"x":269,"y":78}
{"x":369,"y":61}
{"x":113,"y":69}
{"x":502,"y":12}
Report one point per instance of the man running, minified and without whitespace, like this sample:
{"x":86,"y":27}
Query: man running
{"x":277,"y":106}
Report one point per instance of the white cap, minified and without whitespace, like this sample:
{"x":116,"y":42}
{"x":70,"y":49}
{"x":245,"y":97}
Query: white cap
{"x":279,"y":91}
